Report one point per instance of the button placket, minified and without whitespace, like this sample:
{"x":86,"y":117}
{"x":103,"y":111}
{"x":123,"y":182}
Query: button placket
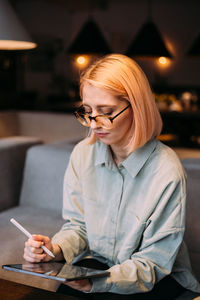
{"x":114,"y":212}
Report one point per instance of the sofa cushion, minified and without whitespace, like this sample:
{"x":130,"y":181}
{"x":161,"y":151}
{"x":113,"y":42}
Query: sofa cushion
{"x":51,"y":126}
{"x":43,"y":176}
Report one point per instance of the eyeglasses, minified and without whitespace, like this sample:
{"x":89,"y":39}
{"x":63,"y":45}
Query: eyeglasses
{"x":101,"y":120}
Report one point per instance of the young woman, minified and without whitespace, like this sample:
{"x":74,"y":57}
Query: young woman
{"x":124,"y":191}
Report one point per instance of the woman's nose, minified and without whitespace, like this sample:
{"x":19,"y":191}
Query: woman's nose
{"x":93,"y":124}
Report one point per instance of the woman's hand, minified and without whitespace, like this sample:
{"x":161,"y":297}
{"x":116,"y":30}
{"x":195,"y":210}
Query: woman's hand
{"x":34,"y":253}
{"x":83,"y":285}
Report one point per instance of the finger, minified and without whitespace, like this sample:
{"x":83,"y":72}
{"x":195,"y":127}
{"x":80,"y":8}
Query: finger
{"x":72,"y":284}
{"x":36,"y":250}
{"x":33,"y":257}
{"x":32,"y":243}
{"x":41,"y":238}
{"x":76,"y":282}
{"x":32,"y":250}
{"x":81,"y":285}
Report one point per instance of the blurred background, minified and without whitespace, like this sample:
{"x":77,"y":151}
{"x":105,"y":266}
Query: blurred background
{"x":163,"y":36}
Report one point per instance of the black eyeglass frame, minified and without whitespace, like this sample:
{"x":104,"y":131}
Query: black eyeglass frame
{"x":78,"y":114}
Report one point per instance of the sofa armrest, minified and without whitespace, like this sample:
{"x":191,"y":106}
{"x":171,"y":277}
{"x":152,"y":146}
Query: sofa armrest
{"x":192,"y":233}
{"x":12,"y":157}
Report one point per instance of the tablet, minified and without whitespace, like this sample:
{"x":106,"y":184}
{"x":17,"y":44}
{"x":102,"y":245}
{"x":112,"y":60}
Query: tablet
{"x":57,"y":271}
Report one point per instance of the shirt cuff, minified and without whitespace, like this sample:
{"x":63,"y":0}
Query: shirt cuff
{"x":70,"y":243}
{"x":101,"y":285}
{"x":65,"y":249}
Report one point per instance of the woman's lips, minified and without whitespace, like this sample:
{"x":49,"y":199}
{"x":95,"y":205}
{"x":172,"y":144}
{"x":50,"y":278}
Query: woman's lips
{"x":101,"y":134}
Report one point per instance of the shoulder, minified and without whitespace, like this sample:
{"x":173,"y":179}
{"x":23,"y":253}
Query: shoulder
{"x":83,"y":148}
{"x":85,"y":153}
{"x":167,"y":157}
{"x":165,"y":163}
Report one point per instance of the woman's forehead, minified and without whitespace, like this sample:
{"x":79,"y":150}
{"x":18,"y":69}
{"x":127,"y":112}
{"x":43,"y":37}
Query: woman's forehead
{"x":99,"y":97}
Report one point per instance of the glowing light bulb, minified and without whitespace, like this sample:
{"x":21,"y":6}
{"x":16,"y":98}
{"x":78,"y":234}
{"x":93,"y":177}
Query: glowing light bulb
{"x":81,"y":60}
{"x":162,"y":60}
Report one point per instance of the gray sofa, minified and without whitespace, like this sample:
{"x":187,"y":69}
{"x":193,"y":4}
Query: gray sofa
{"x":40,"y":204}
{"x":39,"y":208}
{"x":12,"y":158}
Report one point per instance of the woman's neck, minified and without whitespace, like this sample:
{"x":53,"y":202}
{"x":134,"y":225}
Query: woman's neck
{"x":119,"y":154}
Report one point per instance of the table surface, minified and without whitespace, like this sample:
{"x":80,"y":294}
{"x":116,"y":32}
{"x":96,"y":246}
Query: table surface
{"x":15,"y":291}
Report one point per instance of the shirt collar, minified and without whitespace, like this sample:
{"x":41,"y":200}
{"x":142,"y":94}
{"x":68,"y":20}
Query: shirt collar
{"x":133,"y":163}
{"x":104,"y":156}
{"x":136,"y":160}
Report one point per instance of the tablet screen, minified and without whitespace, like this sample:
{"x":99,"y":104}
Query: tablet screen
{"x":57,"y":271}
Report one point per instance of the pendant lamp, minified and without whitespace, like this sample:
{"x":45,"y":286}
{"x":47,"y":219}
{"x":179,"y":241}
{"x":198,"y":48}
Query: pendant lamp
{"x":90,"y":40}
{"x":195,"y":48}
{"x":148,"y":43}
{"x":13,"y":35}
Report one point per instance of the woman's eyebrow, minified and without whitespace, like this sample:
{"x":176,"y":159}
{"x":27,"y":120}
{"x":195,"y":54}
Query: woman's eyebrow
{"x":100,"y":106}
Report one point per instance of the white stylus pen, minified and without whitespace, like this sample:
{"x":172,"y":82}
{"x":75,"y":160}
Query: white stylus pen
{"x":29,"y":235}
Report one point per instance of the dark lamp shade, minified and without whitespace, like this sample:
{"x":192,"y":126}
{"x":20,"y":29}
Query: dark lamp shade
{"x":89,"y":41}
{"x":148,"y":43}
{"x":195,"y":48}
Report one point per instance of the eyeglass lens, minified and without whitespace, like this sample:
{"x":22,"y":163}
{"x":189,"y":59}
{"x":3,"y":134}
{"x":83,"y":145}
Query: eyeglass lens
{"x":103,"y":121}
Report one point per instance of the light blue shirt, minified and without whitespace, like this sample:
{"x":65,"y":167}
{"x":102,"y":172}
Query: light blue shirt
{"x":130,"y":216}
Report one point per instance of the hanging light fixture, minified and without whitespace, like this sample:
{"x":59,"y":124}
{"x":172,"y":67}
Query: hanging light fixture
{"x":13,"y":35}
{"x":148,"y":42}
{"x":90,"y":40}
{"x":195,"y":48}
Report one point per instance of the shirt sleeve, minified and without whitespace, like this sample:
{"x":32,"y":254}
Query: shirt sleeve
{"x":159,"y":246}
{"x":72,"y":237}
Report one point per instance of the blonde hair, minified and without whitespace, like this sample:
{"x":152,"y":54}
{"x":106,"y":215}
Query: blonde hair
{"x":121,"y":76}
